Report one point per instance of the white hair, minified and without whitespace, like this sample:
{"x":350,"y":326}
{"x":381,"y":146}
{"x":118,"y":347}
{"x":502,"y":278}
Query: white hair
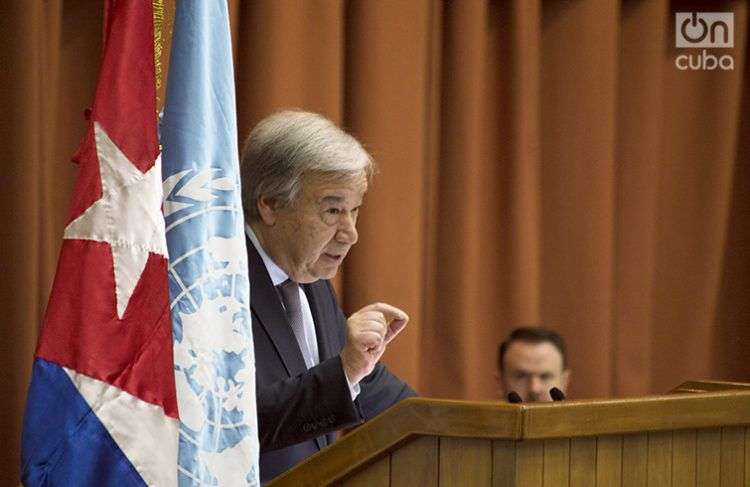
{"x":288,"y":145}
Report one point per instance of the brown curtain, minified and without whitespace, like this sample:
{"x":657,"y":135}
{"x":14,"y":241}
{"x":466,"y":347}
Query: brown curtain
{"x":540,"y":162}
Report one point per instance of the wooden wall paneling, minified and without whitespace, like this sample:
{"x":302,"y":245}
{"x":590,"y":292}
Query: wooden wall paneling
{"x":556,"y":469}
{"x":416,"y":463}
{"x":660,"y":459}
{"x":708,"y":456}
{"x":504,"y":463}
{"x":465,"y":461}
{"x":608,"y":461}
{"x":582,"y":461}
{"x":683,"y":457}
{"x":529,"y":463}
{"x":732,"y":456}
{"x":634,"y":460}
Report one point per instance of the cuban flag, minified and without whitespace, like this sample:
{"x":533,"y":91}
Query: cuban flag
{"x":208,"y":277}
{"x":101,"y":408}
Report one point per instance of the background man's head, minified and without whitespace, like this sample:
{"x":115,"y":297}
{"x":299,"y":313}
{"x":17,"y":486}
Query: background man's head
{"x":531,"y":362}
{"x":303,"y":181}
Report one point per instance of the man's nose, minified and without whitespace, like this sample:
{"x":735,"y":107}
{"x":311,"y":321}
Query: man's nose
{"x":347,"y":232}
{"x":536,"y":385}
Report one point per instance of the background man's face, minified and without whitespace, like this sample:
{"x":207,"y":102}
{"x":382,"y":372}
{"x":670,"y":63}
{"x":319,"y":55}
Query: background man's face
{"x":532,"y":369}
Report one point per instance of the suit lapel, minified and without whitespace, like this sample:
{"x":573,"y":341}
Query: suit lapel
{"x":316,"y":298}
{"x":315,"y":293}
{"x":266,"y":305}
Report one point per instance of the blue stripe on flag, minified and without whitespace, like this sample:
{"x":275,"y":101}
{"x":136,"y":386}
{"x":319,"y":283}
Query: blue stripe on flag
{"x":64,"y":443}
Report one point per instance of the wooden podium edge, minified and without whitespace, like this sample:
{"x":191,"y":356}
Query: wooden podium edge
{"x":645,"y":414}
{"x":700,"y":386}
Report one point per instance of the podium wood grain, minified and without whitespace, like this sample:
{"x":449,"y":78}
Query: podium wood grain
{"x":416,"y":463}
{"x":608,"y":462}
{"x":582,"y":462}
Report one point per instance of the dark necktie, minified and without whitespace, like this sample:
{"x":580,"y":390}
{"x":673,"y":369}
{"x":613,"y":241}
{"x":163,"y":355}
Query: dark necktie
{"x":290,"y":295}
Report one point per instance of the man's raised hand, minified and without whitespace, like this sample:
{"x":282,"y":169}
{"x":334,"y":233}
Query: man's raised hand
{"x":369,"y":330}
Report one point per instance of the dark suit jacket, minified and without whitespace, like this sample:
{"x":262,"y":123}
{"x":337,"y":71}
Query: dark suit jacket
{"x":299,"y":409}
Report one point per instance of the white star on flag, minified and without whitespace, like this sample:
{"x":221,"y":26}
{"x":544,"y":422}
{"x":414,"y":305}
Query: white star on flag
{"x":128,"y":216}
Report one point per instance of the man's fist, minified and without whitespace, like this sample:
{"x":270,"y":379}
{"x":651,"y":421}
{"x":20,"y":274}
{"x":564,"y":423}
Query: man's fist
{"x":369,"y":330}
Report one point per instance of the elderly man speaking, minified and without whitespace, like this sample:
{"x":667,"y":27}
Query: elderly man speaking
{"x":317,"y":371}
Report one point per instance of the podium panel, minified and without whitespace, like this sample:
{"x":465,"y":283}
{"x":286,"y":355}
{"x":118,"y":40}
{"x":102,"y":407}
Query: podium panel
{"x":697,"y":435}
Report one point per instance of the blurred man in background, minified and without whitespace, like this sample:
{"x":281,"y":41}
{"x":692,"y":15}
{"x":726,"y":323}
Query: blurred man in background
{"x":531,"y":362}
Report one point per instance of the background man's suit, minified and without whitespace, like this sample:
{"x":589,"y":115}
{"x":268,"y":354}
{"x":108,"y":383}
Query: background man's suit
{"x":298,"y":409}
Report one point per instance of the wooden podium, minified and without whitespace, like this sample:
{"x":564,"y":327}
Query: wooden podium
{"x":699,"y":434}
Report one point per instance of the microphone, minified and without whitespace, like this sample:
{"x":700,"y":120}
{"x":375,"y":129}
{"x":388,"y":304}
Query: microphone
{"x":556,"y":394}
{"x":514,"y":397}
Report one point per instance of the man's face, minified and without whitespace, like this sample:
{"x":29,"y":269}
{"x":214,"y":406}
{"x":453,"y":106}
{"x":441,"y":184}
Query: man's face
{"x":310,"y":239}
{"x":532,"y":369}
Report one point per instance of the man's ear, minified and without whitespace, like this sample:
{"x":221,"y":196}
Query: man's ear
{"x":267,"y":210}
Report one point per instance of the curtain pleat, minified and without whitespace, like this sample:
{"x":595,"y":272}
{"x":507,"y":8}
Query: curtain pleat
{"x":519,"y":141}
{"x":578,"y":101}
{"x":21,"y":133}
{"x":639,"y":118}
{"x":386,"y":79}
{"x":699,"y":136}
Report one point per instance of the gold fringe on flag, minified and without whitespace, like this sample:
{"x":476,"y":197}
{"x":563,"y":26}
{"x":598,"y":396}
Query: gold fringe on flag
{"x":158,"y":40}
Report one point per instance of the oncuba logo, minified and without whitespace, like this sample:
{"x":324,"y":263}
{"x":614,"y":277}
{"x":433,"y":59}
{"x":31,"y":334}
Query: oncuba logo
{"x":704,"y":30}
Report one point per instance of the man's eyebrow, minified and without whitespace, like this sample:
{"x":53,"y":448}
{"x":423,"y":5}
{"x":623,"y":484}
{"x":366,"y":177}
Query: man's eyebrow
{"x":332,"y":199}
